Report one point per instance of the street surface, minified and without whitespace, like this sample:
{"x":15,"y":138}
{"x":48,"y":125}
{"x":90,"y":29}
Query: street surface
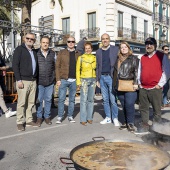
{"x":41,"y":148}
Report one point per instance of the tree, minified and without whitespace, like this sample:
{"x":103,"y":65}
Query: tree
{"x":25,"y":5}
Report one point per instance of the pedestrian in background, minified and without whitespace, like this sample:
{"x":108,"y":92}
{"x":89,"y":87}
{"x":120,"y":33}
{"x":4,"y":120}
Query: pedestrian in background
{"x":86,"y":80}
{"x":66,"y":78}
{"x":25,"y":70}
{"x":2,"y":73}
{"x":165,"y":50}
{"x":8,"y":112}
{"x":126,"y":69}
{"x":152,"y":73}
{"x":106,"y":58}
{"x":80,"y":45}
{"x":46,"y":76}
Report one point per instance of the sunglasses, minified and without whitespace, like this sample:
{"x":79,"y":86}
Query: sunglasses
{"x":30,"y":39}
{"x":149,"y":43}
{"x":71,"y":41}
{"x":166,"y":49}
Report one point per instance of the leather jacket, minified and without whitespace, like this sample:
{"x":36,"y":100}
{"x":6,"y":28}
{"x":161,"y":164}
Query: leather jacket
{"x":63,"y":64}
{"x":128,"y":70}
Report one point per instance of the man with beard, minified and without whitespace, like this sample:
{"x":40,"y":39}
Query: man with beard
{"x":152,"y":72}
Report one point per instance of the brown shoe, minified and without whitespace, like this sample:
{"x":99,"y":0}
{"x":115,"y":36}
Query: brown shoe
{"x":90,"y":121}
{"x":48,"y":121}
{"x":84,"y":123}
{"x":39,"y":121}
{"x":33,"y":124}
{"x":166,"y":105}
{"x":20,"y":127}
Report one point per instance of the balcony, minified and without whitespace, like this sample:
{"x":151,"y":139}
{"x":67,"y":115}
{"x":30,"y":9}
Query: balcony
{"x":161,"y":18}
{"x":157,"y":17}
{"x":132,"y":35}
{"x":90,"y":33}
{"x":64,"y":36}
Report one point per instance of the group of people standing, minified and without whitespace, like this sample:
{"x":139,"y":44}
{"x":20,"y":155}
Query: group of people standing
{"x":72,"y":69}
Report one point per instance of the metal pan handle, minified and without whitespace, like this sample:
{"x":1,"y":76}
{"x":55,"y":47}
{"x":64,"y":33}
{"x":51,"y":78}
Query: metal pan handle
{"x":98,"y":137}
{"x":67,"y":163}
{"x":67,"y":168}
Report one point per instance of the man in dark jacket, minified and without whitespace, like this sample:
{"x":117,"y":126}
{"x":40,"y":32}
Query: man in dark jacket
{"x":106,"y":59}
{"x":25,"y":71}
{"x":46,"y":68}
{"x":80,"y":45}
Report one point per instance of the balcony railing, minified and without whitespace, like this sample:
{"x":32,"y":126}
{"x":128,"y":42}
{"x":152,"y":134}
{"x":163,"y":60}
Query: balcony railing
{"x":65,"y":36}
{"x":161,"y":18}
{"x":132,"y":35}
{"x":157,"y":17}
{"x":90,"y":33}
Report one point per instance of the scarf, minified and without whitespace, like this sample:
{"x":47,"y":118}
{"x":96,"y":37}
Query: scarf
{"x":121,"y":59}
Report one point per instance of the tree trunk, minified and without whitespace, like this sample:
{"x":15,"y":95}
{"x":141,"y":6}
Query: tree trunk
{"x":26,"y":17}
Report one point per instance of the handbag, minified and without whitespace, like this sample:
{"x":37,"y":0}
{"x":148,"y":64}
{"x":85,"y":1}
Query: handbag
{"x":125,"y":85}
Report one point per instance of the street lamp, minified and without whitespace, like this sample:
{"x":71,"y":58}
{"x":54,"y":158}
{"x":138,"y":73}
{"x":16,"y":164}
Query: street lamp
{"x":15,"y":33}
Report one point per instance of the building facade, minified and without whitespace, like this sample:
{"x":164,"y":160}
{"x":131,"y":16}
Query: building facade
{"x":161,"y":21}
{"x":123,"y":20}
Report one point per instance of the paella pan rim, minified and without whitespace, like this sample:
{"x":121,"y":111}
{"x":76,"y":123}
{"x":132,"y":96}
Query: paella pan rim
{"x":108,"y":141}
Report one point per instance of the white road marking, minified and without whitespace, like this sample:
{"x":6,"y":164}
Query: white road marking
{"x":33,"y":131}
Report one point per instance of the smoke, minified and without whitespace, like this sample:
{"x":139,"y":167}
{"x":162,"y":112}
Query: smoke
{"x":142,"y":161}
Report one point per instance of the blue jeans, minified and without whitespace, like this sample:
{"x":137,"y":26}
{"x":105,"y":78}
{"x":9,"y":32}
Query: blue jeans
{"x":62,"y":97}
{"x":44,"y":93}
{"x":165,"y":92}
{"x":127,"y":100}
{"x":87,"y":99}
{"x":110,"y":106}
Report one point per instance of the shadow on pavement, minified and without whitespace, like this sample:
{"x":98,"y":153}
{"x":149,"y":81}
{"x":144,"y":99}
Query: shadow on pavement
{"x":2,"y":154}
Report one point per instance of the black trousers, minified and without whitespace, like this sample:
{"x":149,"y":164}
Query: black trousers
{"x":153,"y":97}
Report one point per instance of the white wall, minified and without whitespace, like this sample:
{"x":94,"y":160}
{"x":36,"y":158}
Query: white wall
{"x":128,"y":12}
{"x":77,"y":11}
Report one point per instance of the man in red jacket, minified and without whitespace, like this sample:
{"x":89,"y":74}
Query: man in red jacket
{"x":153,"y":69}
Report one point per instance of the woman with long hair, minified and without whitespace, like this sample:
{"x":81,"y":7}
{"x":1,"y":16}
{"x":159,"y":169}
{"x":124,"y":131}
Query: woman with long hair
{"x":125,"y":73}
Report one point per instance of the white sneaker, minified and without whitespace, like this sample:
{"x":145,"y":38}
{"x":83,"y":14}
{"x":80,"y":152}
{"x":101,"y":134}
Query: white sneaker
{"x":116,"y":122}
{"x":71,"y":119}
{"x":59,"y":119}
{"x":10,"y":113}
{"x":105,"y":121}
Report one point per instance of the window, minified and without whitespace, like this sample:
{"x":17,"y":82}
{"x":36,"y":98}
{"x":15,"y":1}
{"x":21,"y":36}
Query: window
{"x":120,"y":24}
{"x":134,"y":27}
{"x":145,"y":29}
{"x":66,"y":25}
{"x":92,"y":25}
{"x":91,"y":20}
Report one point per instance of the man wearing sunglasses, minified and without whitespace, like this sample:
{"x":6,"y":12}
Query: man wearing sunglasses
{"x":165,"y":50}
{"x":25,"y":70}
{"x":152,"y":75}
{"x":66,"y":78}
